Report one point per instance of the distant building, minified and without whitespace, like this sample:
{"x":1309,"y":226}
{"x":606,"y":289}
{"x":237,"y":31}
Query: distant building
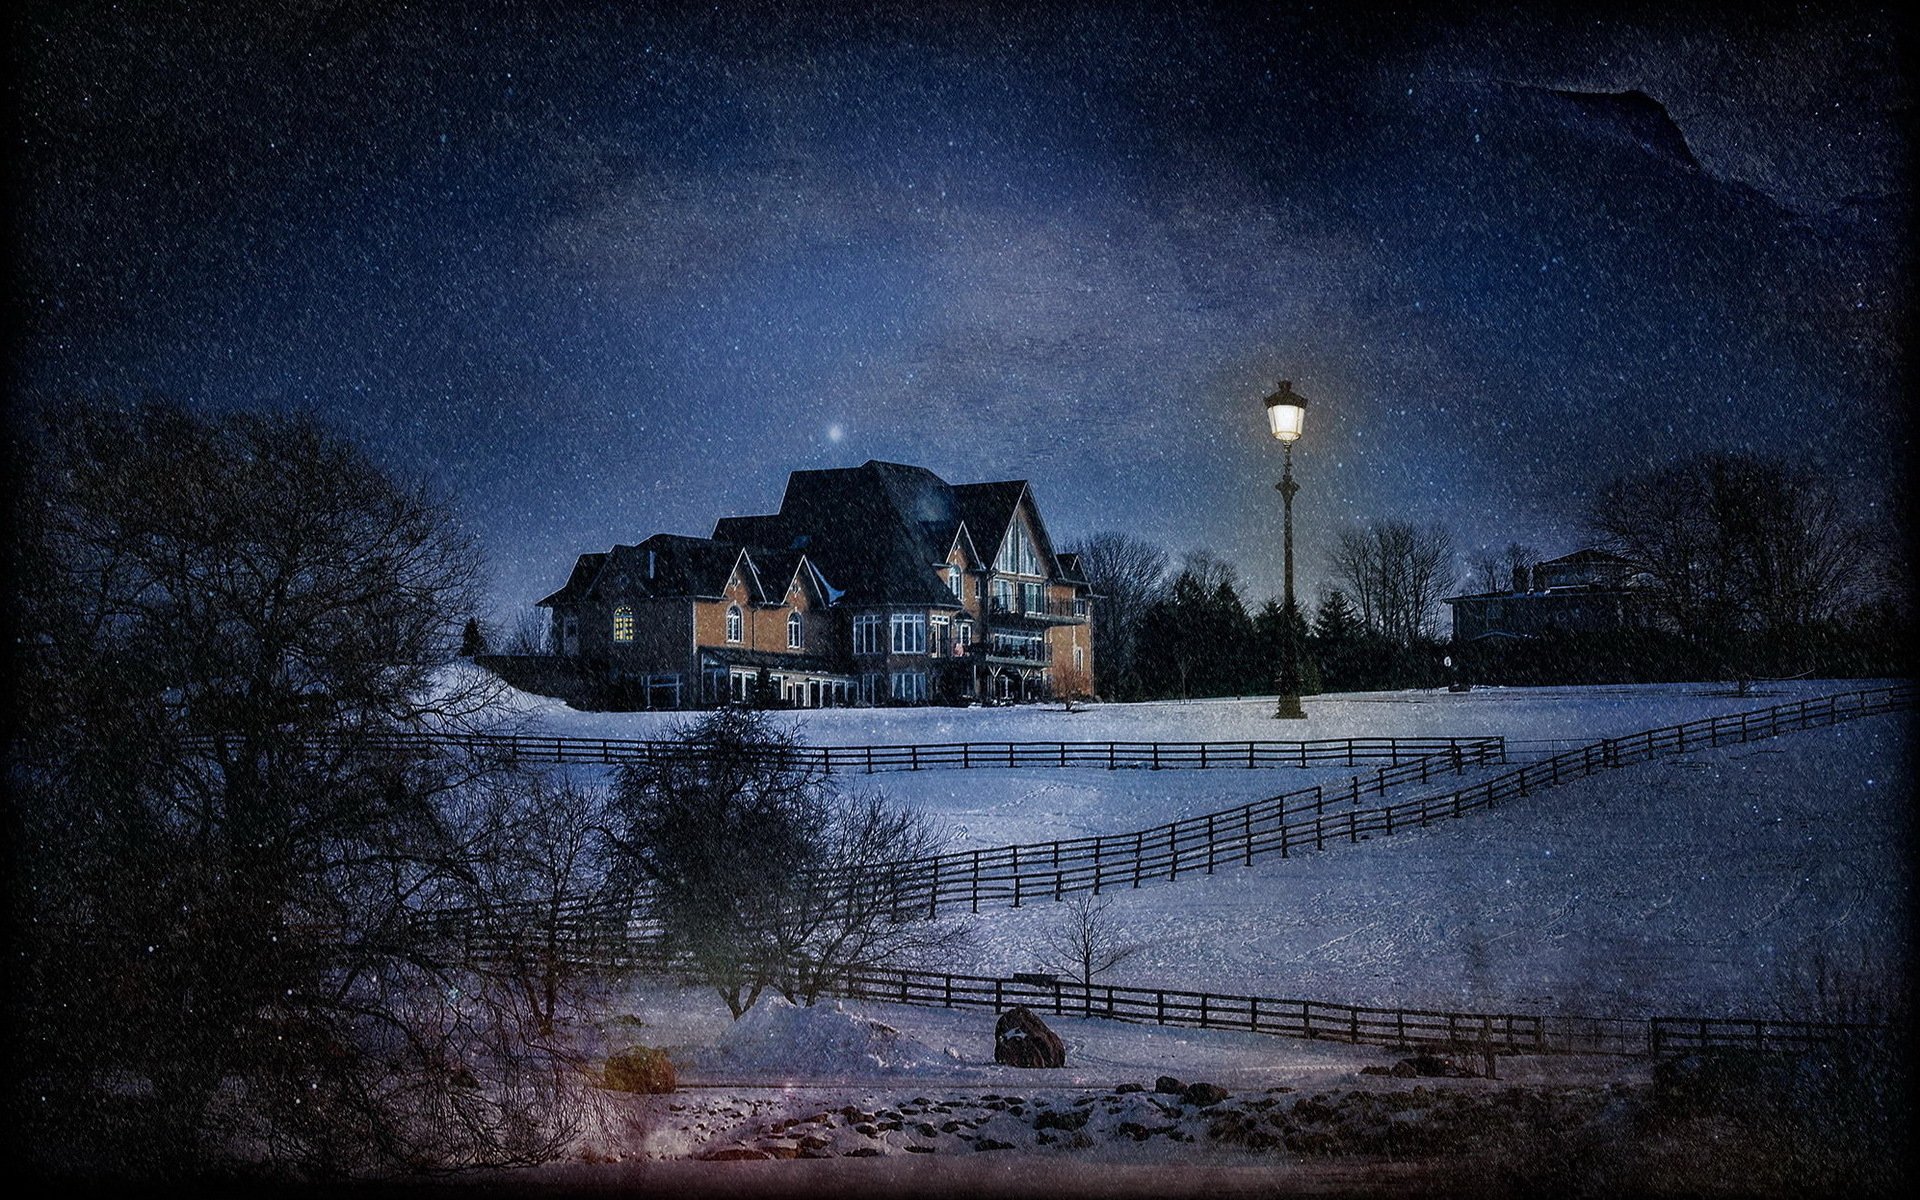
{"x":1588,"y":591}
{"x":874,"y":584}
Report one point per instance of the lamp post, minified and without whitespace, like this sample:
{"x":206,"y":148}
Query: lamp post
{"x":1286,"y":411}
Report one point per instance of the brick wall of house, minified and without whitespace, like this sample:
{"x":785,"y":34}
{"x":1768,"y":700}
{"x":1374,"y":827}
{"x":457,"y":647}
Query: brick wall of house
{"x":764,"y":627}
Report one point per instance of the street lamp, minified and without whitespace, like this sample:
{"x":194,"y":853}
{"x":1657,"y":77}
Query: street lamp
{"x":1286,"y":414}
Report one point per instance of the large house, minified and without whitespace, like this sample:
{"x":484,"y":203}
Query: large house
{"x":874,"y":584}
{"x":1588,"y":591}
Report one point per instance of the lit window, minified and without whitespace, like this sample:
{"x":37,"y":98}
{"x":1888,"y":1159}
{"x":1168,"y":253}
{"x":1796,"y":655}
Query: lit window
{"x":955,"y":580}
{"x":733,"y":622}
{"x":623,"y":624}
{"x":793,"y":631}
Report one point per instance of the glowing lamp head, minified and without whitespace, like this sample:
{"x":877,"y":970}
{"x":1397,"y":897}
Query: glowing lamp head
{"x":1286,"y":412}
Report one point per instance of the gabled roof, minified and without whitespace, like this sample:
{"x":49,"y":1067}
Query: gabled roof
{"x":987,"y":509}
{"x":669,"y":564}
{"x":585,"y":568}
{"x":877,"y":530}
{"x":881,"y":531}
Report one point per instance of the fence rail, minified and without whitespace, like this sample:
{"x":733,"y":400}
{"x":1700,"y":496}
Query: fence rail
{"x":1310,"y":818}
{"x":967,"y":755}
{"x":1307,"y":819}
{"x":1312,"y":1020}
{"x":604,"y":934}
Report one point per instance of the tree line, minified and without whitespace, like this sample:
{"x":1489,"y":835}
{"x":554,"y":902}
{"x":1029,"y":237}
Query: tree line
{"x":1747,"y":567}
{"x":1167,"y":633}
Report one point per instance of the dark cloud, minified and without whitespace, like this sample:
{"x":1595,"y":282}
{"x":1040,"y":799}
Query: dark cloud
{"x":610,"y":270}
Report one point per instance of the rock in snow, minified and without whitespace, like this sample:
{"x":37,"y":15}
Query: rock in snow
{"x":1021,"y":1039}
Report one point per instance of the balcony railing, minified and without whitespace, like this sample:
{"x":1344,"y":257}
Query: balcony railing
{"x":1050,"y":611}
{"x":1025,"y":652}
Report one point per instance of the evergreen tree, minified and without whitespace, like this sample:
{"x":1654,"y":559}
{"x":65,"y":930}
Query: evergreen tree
{"x":472,"y":640}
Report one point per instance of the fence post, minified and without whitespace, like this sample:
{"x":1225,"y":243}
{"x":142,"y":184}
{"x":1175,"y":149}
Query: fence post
{"x":999,"y":1001}
{"x":1203,"y":756}
{"x":1173,"y":851}
{"x":1139,"y":856}
{"x":1203,"y":1012}
{"x":976,"y":881}
{"x":1249,"y":824}
{"x":1210,"y":846}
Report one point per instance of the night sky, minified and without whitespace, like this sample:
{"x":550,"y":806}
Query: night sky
{"x":604,"y":271}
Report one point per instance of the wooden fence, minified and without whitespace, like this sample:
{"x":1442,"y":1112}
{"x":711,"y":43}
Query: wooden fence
{"x":608,"y":935}
{"x":1456,"y":1032}
{"x":969,"y":755}
{"x":1307,"y":819}
{"x":1310,"y":818}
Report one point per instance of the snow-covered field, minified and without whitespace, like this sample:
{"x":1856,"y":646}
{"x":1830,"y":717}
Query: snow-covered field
{"x":1702,"y":883}
{"x":1519,"y":714}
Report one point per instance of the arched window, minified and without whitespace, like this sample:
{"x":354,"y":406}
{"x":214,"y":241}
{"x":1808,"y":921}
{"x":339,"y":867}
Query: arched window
{"x":623,"y":623}
{"x":793,"y":631}
{"x":733,"y":622}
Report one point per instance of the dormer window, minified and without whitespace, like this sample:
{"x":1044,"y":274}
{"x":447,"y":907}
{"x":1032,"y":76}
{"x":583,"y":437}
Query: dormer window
{"x":733,"y":622}
{"x":793,"y":631}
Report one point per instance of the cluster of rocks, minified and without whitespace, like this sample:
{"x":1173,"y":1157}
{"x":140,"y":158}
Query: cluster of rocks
{"x":1400,"y":1123}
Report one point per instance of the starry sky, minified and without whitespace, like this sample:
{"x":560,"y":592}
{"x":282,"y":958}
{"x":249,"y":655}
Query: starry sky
{"x":601,"y":271}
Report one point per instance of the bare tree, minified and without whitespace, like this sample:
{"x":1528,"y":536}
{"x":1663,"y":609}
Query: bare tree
{"x":1397,"y":572}
{"x":529,"y":634}
{"x":851,"y":910}
{"x":547,"y":905}
{"x":1126,"y":575}
{"x":760,"y":872}
{"x":1085,"y":940}
{"x":1356,"y":561}
{"x":224,"y":854}
{"x":1735,"y":542}
{"x":1489,"y":570}
{"x":1519,"y":558}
